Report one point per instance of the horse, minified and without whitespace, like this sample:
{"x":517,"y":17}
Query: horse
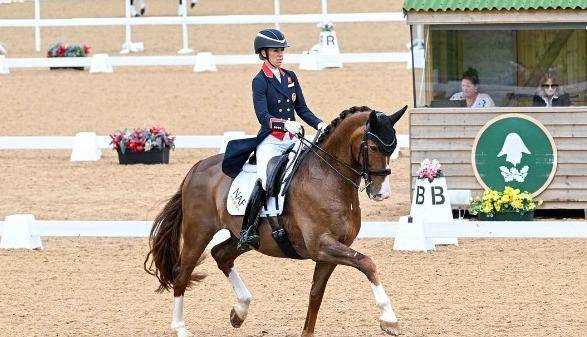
{"x":143,"y":7}
{"x":321,"y":215}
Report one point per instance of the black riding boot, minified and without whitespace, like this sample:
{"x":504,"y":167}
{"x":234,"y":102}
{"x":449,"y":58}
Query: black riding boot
{"x":250,"y":233}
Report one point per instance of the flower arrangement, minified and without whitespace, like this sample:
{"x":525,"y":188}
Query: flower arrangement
{"x":429,"y":170}
{"x":59,"y":49}
{"x":510,"y":200}
{"x":142,"y":140}
{"x":326,"y":26}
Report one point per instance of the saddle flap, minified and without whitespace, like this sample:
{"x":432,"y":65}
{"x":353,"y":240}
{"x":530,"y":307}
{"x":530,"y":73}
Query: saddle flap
{"x":275,"y":170}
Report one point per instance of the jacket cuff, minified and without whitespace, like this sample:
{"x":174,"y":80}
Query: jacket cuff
{"x":277,"y":124}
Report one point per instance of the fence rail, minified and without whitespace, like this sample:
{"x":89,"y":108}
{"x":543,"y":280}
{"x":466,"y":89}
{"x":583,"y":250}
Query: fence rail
{"x":206,"y":20}
{"x":457,"y":228}
{"x":185,"y":142}
{"x":142,"y":61}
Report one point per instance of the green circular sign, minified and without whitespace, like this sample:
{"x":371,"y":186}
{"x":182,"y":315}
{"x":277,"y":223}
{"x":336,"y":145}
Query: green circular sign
{"x":514,"y":150}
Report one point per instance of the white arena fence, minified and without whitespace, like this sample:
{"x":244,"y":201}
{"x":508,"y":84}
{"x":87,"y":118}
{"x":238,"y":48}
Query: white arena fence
{"x":277,"y":18}
{"x":159,"y":61}
{"x":103,"y":142}
{"x":457,"y":228}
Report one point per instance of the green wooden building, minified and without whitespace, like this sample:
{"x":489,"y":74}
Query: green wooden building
{"x":530,"y":58}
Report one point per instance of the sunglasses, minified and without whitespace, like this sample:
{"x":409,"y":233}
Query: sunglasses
{"x":545,"y":86}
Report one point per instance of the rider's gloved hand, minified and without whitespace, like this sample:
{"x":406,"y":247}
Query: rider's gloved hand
{"x":321,"y":126}
{"x":293,"y":127}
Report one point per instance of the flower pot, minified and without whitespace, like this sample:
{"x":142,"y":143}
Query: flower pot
{"x":507,"y":216}
{"x":149,"y":157}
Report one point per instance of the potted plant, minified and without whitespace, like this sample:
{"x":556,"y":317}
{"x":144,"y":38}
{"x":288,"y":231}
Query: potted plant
{"x":59,"y":49}
{"x":142,"y":146}
{"x":509,"y":205}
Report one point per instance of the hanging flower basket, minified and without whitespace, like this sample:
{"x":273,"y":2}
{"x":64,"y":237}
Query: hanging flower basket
{"x":509,"y":205}
{"x":59,"y":49}
{"x":142,"y":146}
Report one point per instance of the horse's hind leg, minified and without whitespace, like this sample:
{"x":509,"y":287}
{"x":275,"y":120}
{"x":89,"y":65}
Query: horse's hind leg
{"x":225,"y":253}
{"x":143,"y":7}
{"x":332,"y":251}
{"x":195,"y":240}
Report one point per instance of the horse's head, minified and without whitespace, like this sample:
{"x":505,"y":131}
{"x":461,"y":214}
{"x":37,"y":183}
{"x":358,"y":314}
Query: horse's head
{"x":373,"y":147}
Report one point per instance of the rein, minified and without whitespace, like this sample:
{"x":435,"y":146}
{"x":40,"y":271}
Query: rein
{"x":366,"y":172}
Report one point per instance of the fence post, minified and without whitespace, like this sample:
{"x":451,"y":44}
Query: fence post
{"x":37,"y":27}
{"x":184,"y":29}
{"x":126,"y":46}
{"x":324,"y":11}
{"x":277,"y":9}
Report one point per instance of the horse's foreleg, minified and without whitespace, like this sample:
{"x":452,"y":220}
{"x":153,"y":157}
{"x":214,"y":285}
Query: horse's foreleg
{"x":322,"y":273}
{"x":332,"y":251}
{"x":225,"y":253}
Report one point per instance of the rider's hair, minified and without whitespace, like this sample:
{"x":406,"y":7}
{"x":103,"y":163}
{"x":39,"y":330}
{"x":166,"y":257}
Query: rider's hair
{"x":339,"y":119}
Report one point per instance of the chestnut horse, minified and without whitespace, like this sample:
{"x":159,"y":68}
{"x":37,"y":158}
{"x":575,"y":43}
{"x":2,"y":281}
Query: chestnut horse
{"x":321,"y":215}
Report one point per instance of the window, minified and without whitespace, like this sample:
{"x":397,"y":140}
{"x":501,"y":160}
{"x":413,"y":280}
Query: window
{"x":516,"y":65}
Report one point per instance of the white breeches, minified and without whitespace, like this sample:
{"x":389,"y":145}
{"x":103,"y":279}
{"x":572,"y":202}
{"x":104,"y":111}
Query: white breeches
{"x":269,"y":148}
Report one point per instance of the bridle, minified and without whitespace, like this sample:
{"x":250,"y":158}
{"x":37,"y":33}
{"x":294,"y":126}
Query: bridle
{"x":366,"y":172}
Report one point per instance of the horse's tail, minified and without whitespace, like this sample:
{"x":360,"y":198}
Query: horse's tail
{"x":164,"y":243}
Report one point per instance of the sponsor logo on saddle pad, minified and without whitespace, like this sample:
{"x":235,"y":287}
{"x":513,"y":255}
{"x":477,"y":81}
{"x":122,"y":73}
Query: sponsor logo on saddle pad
{"x":514,"y":150}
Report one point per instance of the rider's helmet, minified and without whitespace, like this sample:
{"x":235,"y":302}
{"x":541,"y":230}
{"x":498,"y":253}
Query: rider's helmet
{"x":269,"y":38}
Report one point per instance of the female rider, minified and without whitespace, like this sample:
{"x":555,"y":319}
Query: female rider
{"x":277,"y":94}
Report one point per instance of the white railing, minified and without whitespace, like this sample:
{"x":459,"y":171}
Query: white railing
{"x":185,"y":20}
{"x":141,"y":61}
{"x":185,"y":142}
{"x":457,"y":228}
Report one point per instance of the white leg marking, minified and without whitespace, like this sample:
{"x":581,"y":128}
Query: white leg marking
{"x":243,"y":296}
{"x":177,"y":324}
{"x":383,"y":303}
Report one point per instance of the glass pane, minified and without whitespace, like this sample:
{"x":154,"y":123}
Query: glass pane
{"x":484,"y":67}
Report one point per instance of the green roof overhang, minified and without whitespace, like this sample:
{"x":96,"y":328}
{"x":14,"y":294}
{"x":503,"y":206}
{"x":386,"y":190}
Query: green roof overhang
{"x":491,"y":5}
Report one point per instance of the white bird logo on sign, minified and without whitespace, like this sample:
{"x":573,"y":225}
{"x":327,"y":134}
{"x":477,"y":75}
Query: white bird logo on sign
{"x":513,"y":148}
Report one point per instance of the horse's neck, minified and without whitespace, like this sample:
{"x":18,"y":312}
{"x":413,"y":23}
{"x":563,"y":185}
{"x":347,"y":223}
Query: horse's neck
{"x":338,"y":144}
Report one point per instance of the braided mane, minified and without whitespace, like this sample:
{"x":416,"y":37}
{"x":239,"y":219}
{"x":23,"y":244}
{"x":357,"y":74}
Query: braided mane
{"x":330,"y":128}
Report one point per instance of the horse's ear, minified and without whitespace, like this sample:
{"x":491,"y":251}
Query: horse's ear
{"x":373,"y":118}
{"x":396,"y":116}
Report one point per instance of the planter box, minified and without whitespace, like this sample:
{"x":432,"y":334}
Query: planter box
{"x":65,"y":68}
{"x":150,"y":157}
{"x":507,"y":216}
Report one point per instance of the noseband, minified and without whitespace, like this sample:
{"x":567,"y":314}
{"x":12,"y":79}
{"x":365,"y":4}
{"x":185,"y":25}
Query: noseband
{"x":366,"y":172}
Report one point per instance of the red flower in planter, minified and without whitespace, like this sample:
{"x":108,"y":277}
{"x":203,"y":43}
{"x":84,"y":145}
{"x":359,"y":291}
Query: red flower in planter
{"x":87,"y":48}
{"x":142,"y":140}
{"x":61,"y":50}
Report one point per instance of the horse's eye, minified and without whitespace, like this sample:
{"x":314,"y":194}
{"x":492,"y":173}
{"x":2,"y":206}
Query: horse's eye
{"x":373,"y":148}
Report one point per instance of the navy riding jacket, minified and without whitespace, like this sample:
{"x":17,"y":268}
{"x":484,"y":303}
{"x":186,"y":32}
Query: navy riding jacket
{"x":274,"y":103}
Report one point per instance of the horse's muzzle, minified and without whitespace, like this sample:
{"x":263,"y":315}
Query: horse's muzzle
{"x":383,"y":193}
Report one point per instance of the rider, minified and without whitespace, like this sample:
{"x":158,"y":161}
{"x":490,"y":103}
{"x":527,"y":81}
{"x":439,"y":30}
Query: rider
{"x":276,"y":95}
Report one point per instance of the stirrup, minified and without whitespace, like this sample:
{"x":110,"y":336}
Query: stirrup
{"x":248,"y":240}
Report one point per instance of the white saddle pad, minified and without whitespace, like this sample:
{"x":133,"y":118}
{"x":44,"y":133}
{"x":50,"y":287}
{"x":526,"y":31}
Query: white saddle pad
{"x":242,"y":187}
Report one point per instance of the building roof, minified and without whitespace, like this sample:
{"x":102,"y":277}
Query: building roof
{"x":487,"y":5}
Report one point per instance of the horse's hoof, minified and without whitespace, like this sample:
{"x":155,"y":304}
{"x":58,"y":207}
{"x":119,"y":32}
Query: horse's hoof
{"x":235,"y":321}
{"x":390,"y":328}
{"x":183,"y":332}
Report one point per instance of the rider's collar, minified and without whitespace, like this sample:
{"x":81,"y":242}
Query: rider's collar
{"x":267,"y":70}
